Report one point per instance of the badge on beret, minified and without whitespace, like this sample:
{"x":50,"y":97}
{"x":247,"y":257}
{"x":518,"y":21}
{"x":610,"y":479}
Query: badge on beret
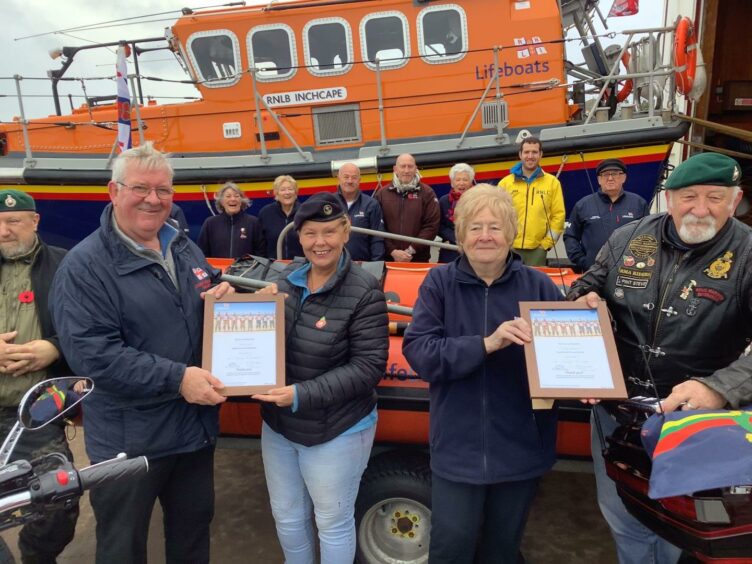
{"x":10,"y":201}
{"x":720,"y":267}
{"x":737,"y":174}
{"x":326,"y":209}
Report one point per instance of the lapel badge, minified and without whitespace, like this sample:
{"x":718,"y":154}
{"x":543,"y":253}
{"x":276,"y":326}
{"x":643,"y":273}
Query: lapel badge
{"x":687,"y":289}
{"x":321,"y":323}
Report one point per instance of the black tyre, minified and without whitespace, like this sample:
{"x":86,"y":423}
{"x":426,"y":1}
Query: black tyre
{"x":393,"y":509}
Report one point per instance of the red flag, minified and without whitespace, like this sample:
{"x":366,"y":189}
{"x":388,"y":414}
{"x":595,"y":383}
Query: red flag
{"x":624,"y":8}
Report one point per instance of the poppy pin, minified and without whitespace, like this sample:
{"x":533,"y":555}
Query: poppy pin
{"x":321,"y":323}
{"x":26,"y":297}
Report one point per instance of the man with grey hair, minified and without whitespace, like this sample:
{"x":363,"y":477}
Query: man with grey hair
{"x":410,"y":208}
{"x":232,"y":233}
{"x":679,"y":287}
{"x":128,"y":305}
{"x":30,"y":353}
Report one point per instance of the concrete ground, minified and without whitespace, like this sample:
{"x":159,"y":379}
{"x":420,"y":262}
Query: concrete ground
{"x":565,"y":525}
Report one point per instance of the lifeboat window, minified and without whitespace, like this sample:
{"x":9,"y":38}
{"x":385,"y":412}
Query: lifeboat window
{"x":216,"y":57}
{"x":327,"y":45}
{"x":384,"y":36}
{"x":271,"y":49}
{"x":442,"y":34}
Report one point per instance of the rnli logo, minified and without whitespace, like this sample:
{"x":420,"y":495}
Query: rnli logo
{"x":10,"y":201}
{"x":200,"y":273}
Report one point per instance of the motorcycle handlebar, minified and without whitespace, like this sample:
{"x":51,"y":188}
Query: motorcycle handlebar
{"x":112,"y":471}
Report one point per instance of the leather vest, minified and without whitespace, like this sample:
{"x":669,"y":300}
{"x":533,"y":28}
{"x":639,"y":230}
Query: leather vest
{"x":680,"y":313}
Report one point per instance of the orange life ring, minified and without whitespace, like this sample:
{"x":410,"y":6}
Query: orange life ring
{"x":625,"y":88}
{"x":685,"y":55}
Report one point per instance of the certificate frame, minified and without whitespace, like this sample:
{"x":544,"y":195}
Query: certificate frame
{"x":240,"y":333}
{"x":586,"y":331}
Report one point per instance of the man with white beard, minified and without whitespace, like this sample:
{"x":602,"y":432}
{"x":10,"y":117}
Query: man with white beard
{"x":679,"y":287}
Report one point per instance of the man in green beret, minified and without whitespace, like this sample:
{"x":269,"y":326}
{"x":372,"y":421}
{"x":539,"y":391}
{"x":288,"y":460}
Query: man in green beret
{"x":30,"y":353}
{"x":679,"y":287}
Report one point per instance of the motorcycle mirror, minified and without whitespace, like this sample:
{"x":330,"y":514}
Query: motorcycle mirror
{"x":51,"y":400}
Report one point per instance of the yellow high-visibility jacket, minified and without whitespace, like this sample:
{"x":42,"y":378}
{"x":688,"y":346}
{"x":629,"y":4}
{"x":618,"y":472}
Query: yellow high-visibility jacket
{"x":540,"y":207}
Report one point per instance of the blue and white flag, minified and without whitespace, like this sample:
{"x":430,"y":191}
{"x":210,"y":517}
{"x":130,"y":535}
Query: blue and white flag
{"x":123,"y":100}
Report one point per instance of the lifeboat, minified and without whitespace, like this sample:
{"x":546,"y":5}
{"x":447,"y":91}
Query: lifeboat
{"x":304,"y":86}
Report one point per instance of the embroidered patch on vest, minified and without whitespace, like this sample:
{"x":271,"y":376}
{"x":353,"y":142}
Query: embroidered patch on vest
{"x":710,"y":294}
{"x":721,"y":266}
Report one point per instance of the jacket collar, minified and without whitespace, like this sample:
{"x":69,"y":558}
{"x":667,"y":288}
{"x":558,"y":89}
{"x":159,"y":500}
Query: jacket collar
{"x":125,"y":260}
{"x":466,"y":274}
{"x":607,"y":199}
{"x":520,"y":175}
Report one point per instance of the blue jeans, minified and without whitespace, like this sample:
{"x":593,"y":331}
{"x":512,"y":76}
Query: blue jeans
{"x":635,"y":543}
{"x":320,"y":480}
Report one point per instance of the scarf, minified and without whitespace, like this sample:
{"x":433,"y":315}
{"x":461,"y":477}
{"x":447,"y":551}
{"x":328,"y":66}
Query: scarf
{"x":408,"y":187}
{"x":454,"y":197}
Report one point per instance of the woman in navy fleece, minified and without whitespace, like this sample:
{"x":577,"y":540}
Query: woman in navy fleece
{"x":488,"y":448}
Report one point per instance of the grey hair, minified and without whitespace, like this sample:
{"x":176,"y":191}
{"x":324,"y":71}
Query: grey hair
{"x":462,"y":167}
{"x":144,"y":156}
{"x":219,"y":196}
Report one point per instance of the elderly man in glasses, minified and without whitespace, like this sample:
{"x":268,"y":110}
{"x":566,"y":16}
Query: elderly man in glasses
{"x":128,"y":305}
{"x":596,"y":216}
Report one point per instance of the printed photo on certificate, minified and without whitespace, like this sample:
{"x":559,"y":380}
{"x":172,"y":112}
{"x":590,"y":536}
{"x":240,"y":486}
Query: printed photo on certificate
{"x":573,"y":352}
{"x":244,"y":342}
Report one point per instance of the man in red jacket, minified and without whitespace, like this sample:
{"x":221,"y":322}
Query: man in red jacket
{"x":410,"y":208}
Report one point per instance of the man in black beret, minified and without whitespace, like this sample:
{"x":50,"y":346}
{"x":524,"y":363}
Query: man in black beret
{"x":679,"y":287}
{"x":30,"y":353}
{"x":596,"y":216}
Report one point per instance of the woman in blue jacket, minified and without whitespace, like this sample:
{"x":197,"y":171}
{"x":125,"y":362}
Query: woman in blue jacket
{"x":488,"y":447}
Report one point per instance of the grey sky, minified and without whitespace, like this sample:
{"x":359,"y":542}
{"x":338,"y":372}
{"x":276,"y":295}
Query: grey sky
{"x":29,"y":58}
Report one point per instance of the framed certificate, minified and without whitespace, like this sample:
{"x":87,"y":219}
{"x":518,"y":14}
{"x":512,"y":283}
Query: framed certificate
{"x":573,"y":353}
{"x":244,"y":342}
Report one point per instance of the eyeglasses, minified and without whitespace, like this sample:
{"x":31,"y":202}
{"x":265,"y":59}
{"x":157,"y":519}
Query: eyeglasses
{"x":162,"y":192}
{"x":612,"y":174}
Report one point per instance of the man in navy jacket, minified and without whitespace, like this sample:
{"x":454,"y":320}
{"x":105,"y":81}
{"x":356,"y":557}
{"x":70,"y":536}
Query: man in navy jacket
{"x":364,"y":211}
{"x":128,"y":305}
{"x":596,"y":216}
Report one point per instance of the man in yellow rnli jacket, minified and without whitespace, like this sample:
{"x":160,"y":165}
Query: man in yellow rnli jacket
{"x":539,"y":202}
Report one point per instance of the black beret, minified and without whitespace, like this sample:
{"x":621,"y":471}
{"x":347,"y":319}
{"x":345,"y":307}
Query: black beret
{"x":323,"y":206}
{"x":711,"y":169}
{"x":15,"y":200}
{"x":610,"y":164}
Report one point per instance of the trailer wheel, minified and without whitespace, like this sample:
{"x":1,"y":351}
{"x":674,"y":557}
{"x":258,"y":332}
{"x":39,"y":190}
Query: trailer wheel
{"x":393,"y":509}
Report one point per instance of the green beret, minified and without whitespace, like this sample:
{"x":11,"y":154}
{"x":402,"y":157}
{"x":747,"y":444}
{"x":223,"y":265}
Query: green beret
{"x":15,"y":200}
{"x":706,"y":168}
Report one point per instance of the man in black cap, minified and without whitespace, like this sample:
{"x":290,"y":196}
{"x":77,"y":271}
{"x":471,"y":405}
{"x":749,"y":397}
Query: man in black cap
{"x":679,"y":287}
{"x":30,"y":353}
{"x":596,"y":216}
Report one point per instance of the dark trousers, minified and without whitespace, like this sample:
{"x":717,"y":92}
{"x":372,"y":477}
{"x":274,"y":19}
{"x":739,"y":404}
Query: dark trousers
{"x":462,"y":514}
{"x":184,"y":485}
{"x":40,"y":542}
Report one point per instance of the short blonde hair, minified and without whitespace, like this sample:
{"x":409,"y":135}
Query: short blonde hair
{"x":485,"y":196}
{"x":219,"y":196}
{"x":284,"y":178}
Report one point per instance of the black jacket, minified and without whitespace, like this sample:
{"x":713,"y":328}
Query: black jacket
{"x":336,"y":349}
{"x":684,"y":313}
{"x":273,"y":221}
{"x":232,"y":236}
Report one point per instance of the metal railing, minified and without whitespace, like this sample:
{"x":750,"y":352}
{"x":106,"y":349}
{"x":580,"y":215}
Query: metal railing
{"x":373,"y":233}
